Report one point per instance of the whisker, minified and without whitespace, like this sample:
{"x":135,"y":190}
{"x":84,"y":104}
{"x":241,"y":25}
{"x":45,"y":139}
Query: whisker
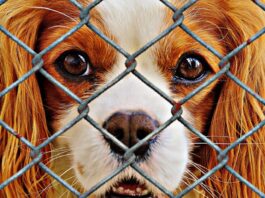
{"x":205,"y":187}
{"x":58,"y":157}
{"x":61,"y":149}
{"x":56,"y":11}
{"x":52,"y":184}
{"x":66,"y":190}
{"x":223,"y":143}
{"x":212,"y":178}
{"x":59,"y":26}
{"x":209,"y":136}
{"x":187,"y":184}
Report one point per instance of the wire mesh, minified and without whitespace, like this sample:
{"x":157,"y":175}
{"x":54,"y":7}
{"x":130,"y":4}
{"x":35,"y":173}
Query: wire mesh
{"x":131,"y":68}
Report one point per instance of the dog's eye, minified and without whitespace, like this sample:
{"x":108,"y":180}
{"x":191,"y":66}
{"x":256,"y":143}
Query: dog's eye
{"x":75,"y":63}
{"x":191,"y":68}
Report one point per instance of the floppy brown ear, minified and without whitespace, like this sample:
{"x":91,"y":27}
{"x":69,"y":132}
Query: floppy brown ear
{"x":21,"y":108}
{"x":237,"y":112}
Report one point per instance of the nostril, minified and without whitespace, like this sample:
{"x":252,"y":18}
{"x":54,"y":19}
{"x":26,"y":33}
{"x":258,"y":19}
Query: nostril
{"x":142,"y":133}
{"x":118,"y":126}
{"x":118,"y":133}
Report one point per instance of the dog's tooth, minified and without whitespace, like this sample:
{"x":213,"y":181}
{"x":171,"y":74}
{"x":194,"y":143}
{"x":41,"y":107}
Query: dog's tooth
{"x":144,"y":192}
{"x":129,"y":192}
{"x":121,"y":189}
{"x":114,"y":189}
{"x":139,"y":190}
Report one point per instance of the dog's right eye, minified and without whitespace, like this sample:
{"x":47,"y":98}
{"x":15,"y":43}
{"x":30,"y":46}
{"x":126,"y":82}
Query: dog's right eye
{"x":75,"y":63}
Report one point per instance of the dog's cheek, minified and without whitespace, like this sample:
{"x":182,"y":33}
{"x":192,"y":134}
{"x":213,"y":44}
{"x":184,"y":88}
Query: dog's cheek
{"x":202,"y":106}
{"x":90,"y":154}
{"x":170,"y":155}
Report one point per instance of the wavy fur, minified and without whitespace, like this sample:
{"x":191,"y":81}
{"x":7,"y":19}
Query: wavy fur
{"x":236,"y":111}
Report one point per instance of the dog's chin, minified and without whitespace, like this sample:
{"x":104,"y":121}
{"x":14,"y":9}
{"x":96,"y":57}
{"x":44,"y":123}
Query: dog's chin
{"x":129,"y":183}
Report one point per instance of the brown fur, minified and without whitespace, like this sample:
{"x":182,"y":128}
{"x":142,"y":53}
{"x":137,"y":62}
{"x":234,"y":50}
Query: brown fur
{"x":236,"y":112}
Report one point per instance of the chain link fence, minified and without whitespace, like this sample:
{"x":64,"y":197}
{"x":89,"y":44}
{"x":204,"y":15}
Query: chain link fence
{"x":131,"y":68}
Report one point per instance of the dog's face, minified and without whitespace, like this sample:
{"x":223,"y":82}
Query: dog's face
{"x":130,"y":110}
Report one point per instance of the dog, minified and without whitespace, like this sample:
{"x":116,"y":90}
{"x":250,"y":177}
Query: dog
{"x":130,"y":110}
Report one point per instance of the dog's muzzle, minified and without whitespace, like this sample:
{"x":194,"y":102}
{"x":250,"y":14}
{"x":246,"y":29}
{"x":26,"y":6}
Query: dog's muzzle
{"x":130,"y":127}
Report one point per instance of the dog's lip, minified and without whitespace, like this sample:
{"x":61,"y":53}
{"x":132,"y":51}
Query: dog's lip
{"x":130,"y":189}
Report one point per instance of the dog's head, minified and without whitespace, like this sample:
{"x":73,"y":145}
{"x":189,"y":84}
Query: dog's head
{"x":130,"y":110}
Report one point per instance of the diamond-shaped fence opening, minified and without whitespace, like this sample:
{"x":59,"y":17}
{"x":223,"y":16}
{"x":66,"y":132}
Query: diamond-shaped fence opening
{"x":130,"y":68}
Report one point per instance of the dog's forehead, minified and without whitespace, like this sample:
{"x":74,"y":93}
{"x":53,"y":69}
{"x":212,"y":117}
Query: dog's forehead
{"x":132,"y":23}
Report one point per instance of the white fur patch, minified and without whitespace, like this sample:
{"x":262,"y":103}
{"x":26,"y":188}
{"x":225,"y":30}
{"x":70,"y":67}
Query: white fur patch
{"x":133,"y":23}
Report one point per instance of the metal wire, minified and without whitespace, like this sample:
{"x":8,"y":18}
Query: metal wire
{"x":131,"y":68}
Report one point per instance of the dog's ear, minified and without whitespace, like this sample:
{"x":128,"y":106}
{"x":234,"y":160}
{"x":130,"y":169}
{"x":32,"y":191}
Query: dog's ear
{"x":237,"y":112}
{"x":22,"y":107}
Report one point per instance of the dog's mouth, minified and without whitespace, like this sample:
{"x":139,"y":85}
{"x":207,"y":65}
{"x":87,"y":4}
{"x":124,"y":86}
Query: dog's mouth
{"x":129,"y":188}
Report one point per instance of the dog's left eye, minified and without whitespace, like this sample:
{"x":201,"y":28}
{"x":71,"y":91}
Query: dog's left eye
{"x":75,"y":63}
{"x":191,"y":68}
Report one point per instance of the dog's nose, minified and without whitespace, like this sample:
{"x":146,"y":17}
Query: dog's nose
{"x":130,"y":128}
